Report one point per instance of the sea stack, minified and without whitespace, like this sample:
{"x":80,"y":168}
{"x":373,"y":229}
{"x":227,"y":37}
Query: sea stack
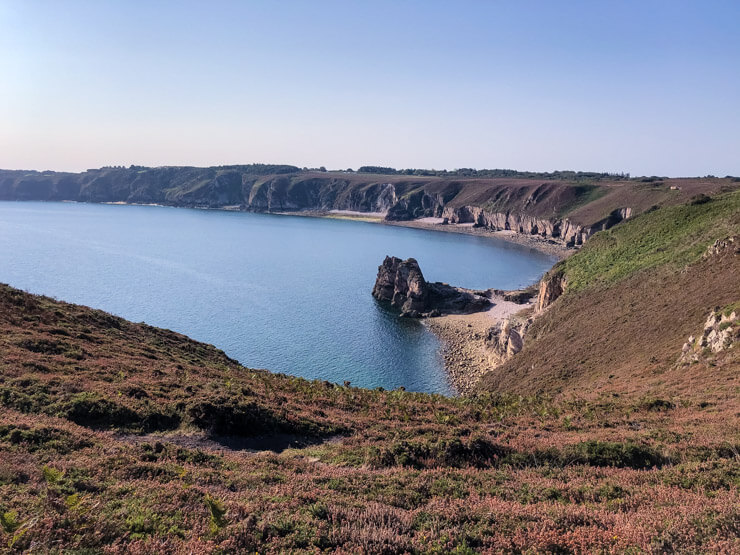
{"x":402,"y":284}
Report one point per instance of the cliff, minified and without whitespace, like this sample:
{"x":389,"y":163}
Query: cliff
{"x":563,"y":209}
{"x":401,"y":283}
{"x":615,"y":315}
{"x":551,"y":286}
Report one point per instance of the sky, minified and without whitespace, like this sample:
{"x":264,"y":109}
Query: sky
{"x":649,"y":87}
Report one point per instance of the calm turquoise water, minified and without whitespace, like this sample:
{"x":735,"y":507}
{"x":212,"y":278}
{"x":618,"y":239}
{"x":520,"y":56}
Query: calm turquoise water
{"x":286,"y":293}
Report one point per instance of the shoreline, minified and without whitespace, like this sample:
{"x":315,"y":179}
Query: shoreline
{"x":466,"y":357}
{"x":462,"y":336}
{"x":545,"y":246}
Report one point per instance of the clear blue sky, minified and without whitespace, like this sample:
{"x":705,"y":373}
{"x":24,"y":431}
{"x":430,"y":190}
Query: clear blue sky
{"x":647,"y":87}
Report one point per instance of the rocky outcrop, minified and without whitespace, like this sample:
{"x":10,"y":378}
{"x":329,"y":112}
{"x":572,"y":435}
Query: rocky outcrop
{"x":517,"y":296}
{"x":505,"y":340}
{"x":729,"y":245}
{"x":722,"y":327}
{"x":721,"y":331}
{"x":552,"y":285}
{"x":401,"y":283}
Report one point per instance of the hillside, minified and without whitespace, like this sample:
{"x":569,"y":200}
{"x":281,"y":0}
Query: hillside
{"x":566,"y":207}
{"x":633,"y":296}
{"x":133,"y":439}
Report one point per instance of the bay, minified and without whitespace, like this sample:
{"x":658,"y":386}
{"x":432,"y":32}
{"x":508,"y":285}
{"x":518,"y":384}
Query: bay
{"x":286,"y":293}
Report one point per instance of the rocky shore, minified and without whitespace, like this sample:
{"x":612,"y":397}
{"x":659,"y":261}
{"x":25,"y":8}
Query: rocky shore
{"x":465,"y":341}
{"x":479,"y":330}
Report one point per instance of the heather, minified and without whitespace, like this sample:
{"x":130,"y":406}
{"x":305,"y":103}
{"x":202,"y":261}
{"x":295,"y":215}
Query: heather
{"x":122,"y":437}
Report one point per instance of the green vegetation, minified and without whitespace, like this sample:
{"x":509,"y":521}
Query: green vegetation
{"x":672,"y":236}
{"x":584,"y":194}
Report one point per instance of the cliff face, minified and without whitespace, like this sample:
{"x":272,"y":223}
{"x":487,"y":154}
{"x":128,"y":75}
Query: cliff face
{"x":505,"y":340}
{"x":401,"y":283}
{"x":552,"y":285}
{"x":562,"y":211}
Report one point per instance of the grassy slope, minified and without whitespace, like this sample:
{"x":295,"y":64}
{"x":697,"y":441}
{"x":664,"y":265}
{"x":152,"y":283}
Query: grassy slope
{"x":672,"y":237}
{"x":635,"y":293}
{"x":116,"y":435}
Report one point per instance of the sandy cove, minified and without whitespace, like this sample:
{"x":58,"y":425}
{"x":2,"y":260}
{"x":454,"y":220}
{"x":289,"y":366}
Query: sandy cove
{"x":463,"y":341}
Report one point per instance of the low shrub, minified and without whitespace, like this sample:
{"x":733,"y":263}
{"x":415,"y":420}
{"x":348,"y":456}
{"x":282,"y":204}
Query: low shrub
{"x":620,"y":455}
{"x":36,"y":439}
{"x":92,"y":410}
{"x":226,"y":416}
{"x":454,"y":453}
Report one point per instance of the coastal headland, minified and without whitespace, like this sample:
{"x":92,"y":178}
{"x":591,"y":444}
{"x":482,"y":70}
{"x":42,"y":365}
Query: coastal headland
{"x":563,"y":208}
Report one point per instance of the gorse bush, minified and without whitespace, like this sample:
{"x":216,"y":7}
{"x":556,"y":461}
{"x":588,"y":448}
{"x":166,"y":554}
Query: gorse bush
{"x":217,"y":512}
{"x":619,"y":455}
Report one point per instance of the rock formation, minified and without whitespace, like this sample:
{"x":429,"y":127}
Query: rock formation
{"x":401,"y":283}
{"x":721,"y":246}
{"x":505,"y":340}
{"x":552,"y":286}
{"x":528,"y":206}
{"x":720,"y":332}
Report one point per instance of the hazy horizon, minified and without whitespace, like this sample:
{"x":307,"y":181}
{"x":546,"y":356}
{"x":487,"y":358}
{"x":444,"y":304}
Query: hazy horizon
{"x":646,"y":88}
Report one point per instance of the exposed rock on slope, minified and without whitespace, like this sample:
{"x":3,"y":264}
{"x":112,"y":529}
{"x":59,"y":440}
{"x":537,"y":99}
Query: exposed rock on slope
{"x":720,"y":332}
{"x":506,"y":339}
{"x":551,"y":287}
{"x":401,"y":283}
{"x":729,"y":245}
